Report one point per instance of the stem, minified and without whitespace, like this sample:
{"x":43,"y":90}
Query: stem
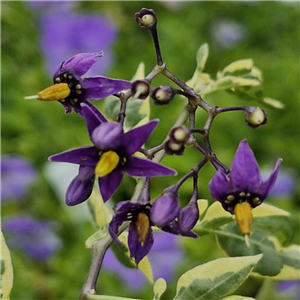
{"x":99,"y":249}
{"x":156,"y":44}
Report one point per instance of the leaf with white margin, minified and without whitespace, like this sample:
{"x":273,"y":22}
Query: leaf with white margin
{"x":159,"y":288}
{"x":215,"y":279}
{"x":273,"y":102}
{"x":237,"y":68}
{"x":7,"y":275}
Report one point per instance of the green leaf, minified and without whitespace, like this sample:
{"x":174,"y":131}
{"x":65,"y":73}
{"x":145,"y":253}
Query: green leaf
{"x":267,"y":234}
{"x":159,"y":288}
{"x":237,"y":297}
{"x":133,"y":115}
{"x":215,"y":279}
{"x":6,"y":270}
{"x":229,"y":82}
{"x":214,"y":218}
{"x":111,"y":108}
{"x":238,"y":68}
{"x":201,"y":57}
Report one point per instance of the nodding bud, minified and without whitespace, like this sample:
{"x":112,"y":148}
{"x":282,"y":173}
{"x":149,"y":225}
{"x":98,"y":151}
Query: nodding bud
{"x":146,"y":18}
{"x":255,"y":116}
{"x":179,"y":134}
{"x":162,"y":95}
{"x":140,"y":89}
{"x":177,"y":139}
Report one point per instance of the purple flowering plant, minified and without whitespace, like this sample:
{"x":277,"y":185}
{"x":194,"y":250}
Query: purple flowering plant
{"x":254,"y":236}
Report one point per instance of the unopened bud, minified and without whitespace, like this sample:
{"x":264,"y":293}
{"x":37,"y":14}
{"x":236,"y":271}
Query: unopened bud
{"x":256,"y":116}
{"x":146,"y":18}
{"x":172,"y":147}
{"x":179,"y":134}
{"x":140,"y":89}
{"x":162,"y":95}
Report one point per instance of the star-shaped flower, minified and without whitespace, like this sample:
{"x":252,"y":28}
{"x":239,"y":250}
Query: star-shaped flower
{"x":71,"y":88}
{"x":109,"y":158}
{"x":242,"y":189}
{"x":142,"y":217}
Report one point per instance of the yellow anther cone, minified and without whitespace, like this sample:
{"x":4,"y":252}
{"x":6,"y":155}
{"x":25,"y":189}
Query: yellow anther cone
{"x":142,"y":227}
{"x":53,"y":93}
{"x":243,"y":216}
{"x":107,"y":163}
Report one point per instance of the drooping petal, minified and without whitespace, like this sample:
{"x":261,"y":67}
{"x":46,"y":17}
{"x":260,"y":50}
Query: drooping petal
{"x":267,"y":185}
{"x":106,"y":136}
{"x":109,"y":184}
{"x":174,"y":228}
{"x":219,"y":186}
{"x":136,"y":166}
{"x":92,"y":116}
{"x":99,"y":87}
{"x":122,"y":210}
{"x":245,"y":174}
{"x":164,"y":209}
{"x":137,"y":250}
{"x":78,"y":64}
{"x":86,"y":155}
{"x":135,"y":138}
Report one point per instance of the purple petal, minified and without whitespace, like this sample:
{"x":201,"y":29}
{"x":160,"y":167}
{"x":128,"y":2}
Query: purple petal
{"x":87,"y":156}
{"x":78,"y":64}
{"x":79,"y":190}
{"x":92,"y":116}
{"x":138,"y":251}
{"x":109,"y":184}
{"x":135,"y":138}
{"x":188,"y":216}
{"x":219,"y":186}
{"x":106,"y":136}
{"x":99,"y":87}
{"x":164,"y":209}
{"x":174,"y":228}
{"x":245,"y":174}
{"x":267,"y":185}
{"x":142,"y":167}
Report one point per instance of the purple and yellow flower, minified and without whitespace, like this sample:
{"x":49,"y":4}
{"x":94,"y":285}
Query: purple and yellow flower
{"x":142,"y":217}
{"x":109,"y":158}
{"x":242,"y":189}
{"x":71,"y":88}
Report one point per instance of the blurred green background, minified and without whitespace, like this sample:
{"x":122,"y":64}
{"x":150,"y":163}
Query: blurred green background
{"x":266,"y":31}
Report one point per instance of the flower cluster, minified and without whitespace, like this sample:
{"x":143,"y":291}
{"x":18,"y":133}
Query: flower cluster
{"x":113,"y":152}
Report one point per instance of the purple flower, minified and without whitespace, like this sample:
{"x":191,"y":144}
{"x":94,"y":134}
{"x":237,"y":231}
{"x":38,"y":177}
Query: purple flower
{"x":243,"y":188}
{"x":79,"y":88}
{"x":34,"y":238}
{"x":65,"y":32}
{"x":244,"y":182}
{"x":140,"y":236}
{"x":109,"y":158}
{"x":165,"y":244}
{"x":17,"y":174}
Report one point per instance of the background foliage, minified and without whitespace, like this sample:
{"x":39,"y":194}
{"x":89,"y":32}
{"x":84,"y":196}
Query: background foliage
{"x":269,"y":34}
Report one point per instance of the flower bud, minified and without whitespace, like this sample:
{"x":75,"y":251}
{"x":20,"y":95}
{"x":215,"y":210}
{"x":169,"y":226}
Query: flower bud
{"x":164,"y":210}
{"x":140,"y":89}
{"x":172,"y":147}
{"x":179,"y":134}
{"x":162,"y":95}
{"x":146,"y":18}
{"x":256,"y":116}
{"x":188,"y":216}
